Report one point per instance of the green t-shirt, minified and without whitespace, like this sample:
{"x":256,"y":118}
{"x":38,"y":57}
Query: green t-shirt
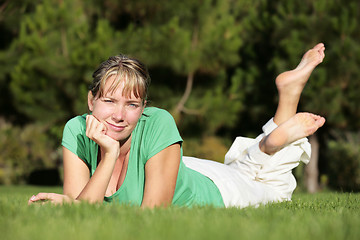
{"x":155,"y":131}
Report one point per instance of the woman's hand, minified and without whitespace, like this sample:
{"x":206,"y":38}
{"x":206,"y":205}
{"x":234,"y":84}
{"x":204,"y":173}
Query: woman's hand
{"x":77,"y":182}
{"x":96,"y":131}
{"x":51,"y":198}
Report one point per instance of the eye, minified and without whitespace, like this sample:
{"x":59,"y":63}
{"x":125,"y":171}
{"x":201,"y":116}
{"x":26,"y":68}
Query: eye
{"x":133,"y":105}
{"x":107,"y":100}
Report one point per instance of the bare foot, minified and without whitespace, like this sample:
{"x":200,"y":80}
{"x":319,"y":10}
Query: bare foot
{"x":292,"y":82}
{"x":299,"y":126}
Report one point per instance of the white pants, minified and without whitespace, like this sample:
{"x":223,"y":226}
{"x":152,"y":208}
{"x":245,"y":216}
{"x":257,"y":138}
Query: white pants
{"x":250,"y":177}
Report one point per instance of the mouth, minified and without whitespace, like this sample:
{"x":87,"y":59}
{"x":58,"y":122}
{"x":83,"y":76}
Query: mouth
{"x":115,"y":127}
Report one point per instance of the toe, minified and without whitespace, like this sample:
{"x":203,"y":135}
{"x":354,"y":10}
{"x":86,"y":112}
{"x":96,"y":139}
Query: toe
{"x":319,"y":46}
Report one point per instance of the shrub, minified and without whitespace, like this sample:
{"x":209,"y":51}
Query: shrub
{"x":343,"y":158}
{"x":211,"y":148}
{"x":22,"y":150}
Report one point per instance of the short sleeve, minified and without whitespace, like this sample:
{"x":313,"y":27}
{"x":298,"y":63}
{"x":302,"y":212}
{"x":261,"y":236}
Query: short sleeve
{"x":74,"y":137}
{"x":161,"y":131}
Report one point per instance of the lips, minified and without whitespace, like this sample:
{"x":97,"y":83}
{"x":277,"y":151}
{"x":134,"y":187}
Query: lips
{"x":115,"y":127}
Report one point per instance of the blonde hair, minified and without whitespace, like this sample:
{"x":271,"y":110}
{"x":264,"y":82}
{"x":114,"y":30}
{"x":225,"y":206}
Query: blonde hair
{"x":129,"y":71}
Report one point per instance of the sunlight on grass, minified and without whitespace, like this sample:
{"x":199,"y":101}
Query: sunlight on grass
{"x":319,"y":216}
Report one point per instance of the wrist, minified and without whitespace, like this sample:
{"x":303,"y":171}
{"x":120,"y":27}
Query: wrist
{"x":110,"y":154}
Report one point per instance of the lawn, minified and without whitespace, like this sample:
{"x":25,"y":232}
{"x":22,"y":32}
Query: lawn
{"x":319,"y":216}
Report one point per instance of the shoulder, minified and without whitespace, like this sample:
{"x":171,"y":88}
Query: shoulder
{"x":156,"y":130}
{"x":74,"y":137}
{"x":157,"y":119}
{"x":74,"y":130}
{"x":157,"y":115}
{"x":77,"y":122}
{"x":154,"y":112}
{"x":75,"y":126}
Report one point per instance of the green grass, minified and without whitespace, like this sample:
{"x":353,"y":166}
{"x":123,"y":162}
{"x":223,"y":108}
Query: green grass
{"x":320,"y":216}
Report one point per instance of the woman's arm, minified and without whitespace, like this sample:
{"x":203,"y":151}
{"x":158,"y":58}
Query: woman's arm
{"x":76,"y":176}
{"x":77,"y":182}
{"x":160,"y":177}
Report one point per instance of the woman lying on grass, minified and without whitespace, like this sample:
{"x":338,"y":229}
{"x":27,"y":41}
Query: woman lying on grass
{"x":128,"y":153}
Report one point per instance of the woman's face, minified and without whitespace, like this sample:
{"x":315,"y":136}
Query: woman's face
{"x":119,"y":113}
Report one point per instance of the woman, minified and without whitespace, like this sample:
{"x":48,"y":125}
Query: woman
{"x":132,"y":154}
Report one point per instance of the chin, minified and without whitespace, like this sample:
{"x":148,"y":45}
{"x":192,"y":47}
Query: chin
{"x":118,"y":137}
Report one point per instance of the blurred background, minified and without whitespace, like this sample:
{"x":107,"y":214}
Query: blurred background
{"x":212,"y":62}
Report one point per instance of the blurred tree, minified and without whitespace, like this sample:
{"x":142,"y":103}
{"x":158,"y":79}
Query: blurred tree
{"x":63,"y":40}
{"x":344,"y":167}
{"x":196,"y":41}
{"x":24,"y":149}
{"x":290,"y":28}
{"x":11,"y":14}
{"x":332,"y":93}
{"x":213,"y":62}
{"x":57,"y":49}
{"x":53,"y":49}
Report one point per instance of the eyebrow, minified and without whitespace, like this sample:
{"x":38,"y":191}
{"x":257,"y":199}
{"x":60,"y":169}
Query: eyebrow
{"x":111,"y":97}
{"x":139,"y":101}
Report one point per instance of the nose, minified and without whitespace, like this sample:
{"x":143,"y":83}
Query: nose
{"x":119,"y":113}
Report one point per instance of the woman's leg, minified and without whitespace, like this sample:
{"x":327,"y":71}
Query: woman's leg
{"x":291,"y":83}
{"x":299,"y":126}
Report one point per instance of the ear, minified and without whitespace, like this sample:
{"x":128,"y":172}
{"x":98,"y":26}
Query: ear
{"x":90,"y":101}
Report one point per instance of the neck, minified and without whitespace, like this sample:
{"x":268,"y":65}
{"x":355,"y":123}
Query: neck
{"x":125,"y":146}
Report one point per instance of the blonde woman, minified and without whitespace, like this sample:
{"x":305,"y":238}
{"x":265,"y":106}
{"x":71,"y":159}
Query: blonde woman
{"x":128,"y":153}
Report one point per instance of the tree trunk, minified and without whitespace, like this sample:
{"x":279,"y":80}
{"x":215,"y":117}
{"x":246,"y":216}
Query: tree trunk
{"x":190,"y":80}
{"x":189,"y":83}
{"x":312,"y":170}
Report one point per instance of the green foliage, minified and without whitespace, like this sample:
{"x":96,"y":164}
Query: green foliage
{"x":206,"y":148}
{"x":59,"y":45}
{"x":232,"y":51}
{"x":182,"y":35}
{"x":320,"y":216}
{"x":297,"y":26}
{"x":57,"y":50}
{"x":189,"y":39}
{"x":24,"y":149}
{"x":50,"y":42}
{"x":343,"y":156}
